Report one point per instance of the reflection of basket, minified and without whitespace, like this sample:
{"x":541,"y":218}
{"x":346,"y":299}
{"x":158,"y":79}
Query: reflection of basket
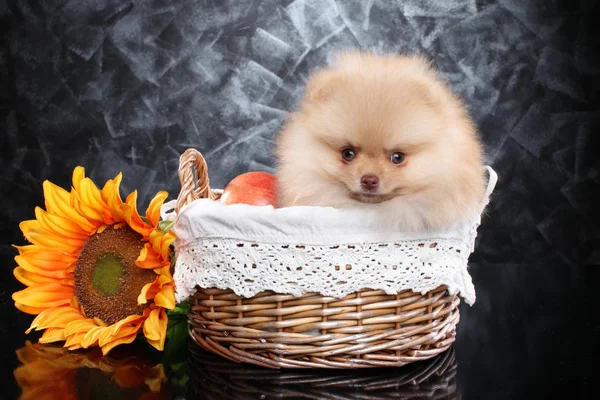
{"x":212,"y":377}
{"x":364,"y":328}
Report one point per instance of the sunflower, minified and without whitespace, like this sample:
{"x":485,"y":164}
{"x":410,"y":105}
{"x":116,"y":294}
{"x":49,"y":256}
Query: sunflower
{"x":55,"y":373}
{"x":97,"y":272}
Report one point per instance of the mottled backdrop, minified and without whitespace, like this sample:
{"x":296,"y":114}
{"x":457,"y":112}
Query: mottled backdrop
{"x":117,"y":85}
{"x":128,"y":85}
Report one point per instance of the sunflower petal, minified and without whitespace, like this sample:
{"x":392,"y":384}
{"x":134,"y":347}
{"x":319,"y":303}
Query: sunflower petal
{"x":166,"y":297}
{"x":152,"y":325}
{"x":112,"y":197}
{"x":30,"y":278}
{"x":57,"y":317}
{"x":90,"y":213}
{"x":78,"y":176}
{"x":165,"y":244}
{"x":79,"y":326}
{"x":106,"y":348}
{"x":58,"y":202}
{"x":130,"y":320}
{"x":124,"y":330}
{"x":28,"y":309}
{"x":42,"y":254}
{"x":71,"y":268}
{"x":36,"y":234}
{"x":68,"y":281}
{"x":90,"y":194}
{"x":165,"y":275}
{"x":60,"y":225}
{"x":155,"y":238}
{"x":51,"y":269}
{"x":51,"y":335}
{"x":133,"y":218}
{"x":92,"y":197}
{"x":148,"y":292}
{"x":155,"y":328}
{"x":29,"y":248}
{"x":126,"y":326}
{"x":161,"y":242}
{"x":73,"y":342}
{"x":149,"y":259}
{"x":153,"y":210}
{"x":91,"y":337}
{"x":46,"y":295}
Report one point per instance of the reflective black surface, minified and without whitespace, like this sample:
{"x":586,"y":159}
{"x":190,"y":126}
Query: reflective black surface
{"x":128,"y":85}
{"x":213,"y":378}
{"x":531,"y":334}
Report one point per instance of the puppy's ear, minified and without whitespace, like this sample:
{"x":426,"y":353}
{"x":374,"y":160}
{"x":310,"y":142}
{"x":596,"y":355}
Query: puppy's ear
{"x":322,"y":84}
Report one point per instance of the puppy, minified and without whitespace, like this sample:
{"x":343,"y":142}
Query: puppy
{"x":382,"y":132}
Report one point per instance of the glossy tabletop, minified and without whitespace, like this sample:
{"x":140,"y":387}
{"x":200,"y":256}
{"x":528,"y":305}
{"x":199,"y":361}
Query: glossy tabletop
{"x":532,"y":333}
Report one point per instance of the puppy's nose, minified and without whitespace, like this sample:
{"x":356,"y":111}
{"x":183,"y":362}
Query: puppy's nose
{"x":369,"y":182}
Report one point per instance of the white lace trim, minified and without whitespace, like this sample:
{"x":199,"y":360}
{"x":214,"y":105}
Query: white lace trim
{"x":301,"y":250}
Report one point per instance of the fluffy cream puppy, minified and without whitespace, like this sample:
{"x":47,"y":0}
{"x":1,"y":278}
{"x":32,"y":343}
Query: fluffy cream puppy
{"x":382,"y":132}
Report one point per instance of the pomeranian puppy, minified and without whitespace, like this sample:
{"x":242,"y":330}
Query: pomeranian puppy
{"x":382,"y":132}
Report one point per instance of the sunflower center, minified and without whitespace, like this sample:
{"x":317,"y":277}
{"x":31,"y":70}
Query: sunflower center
{"x":107,"y":274}
{"x":107,"y":281}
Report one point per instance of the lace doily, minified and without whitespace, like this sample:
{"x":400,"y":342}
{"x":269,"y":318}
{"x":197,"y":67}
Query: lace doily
{"x":301,"y":250}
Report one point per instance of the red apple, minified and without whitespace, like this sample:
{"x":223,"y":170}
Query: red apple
{"x":254,"y":188}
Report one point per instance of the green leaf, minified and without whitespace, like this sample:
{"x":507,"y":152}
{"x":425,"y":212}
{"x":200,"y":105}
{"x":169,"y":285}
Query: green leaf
{"x":177,"y":332}
{"x":181,"y":308}
{"x":165,"y":226}
{"x":176,"y":343}
{"x":176,"y":370}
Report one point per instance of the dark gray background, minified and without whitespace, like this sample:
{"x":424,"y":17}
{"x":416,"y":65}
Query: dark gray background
{"x":128,"y":85}
{"x":118,"y":85}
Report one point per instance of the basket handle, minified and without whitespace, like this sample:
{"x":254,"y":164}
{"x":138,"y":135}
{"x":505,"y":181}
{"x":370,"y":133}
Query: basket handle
{"x":193,"y":176}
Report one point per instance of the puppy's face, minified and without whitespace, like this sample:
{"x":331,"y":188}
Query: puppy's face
{"x":377,"y":138}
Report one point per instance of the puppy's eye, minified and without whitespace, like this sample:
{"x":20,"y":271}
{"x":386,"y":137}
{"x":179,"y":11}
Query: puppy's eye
{"x":397,"y":158}
{"x":348,"y":154}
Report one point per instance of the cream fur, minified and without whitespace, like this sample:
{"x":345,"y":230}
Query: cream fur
{"x":379,"y":105}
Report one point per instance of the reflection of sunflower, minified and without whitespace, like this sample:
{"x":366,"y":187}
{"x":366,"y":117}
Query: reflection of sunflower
{"x":53,"y":373}
{"x":97,"y":273}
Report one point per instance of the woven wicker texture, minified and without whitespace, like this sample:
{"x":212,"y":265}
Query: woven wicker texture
{"x":365,"y":329}
{"x":191,"y":167}
{"x":212,"y":377}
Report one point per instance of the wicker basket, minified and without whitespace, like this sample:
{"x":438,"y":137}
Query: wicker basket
{"x":212,"y":377}
{"x":366,"y":329}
